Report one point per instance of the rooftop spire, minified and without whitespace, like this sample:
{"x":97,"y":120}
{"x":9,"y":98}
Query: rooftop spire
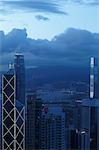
{"x":11,"y":66}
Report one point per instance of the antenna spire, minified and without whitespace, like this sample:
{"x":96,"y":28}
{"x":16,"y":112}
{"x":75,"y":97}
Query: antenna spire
{"x":11,"y":66}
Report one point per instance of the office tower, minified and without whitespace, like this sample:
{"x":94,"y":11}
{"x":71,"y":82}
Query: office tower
{"x":53,"y":128}
{"x":20,"y":77}
{"x":33,"y":122}
{"x":90,"y":116}
{"x":94,"y":77}
{"x":13,"y":115}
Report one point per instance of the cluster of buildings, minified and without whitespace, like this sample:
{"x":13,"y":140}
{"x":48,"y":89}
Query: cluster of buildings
{"x":31,"y":123}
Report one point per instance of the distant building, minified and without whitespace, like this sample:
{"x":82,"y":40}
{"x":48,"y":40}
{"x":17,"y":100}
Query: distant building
{"x":33,"y":122}
{"x":54,"y":95}
{"x":13,"y":115}
{"x":19,"y":69}
{"x":53,"y":129}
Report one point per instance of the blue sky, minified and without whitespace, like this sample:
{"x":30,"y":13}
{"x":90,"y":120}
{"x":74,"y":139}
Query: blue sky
{"x":62,"y":32}
{"x":44,"y":20}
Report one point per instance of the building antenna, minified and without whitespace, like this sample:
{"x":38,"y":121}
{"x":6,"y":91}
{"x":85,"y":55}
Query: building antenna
{"x":92,"y":78}
{"x":11,"y":66}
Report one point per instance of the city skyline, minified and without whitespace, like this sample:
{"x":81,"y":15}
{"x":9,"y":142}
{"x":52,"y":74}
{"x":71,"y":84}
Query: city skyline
{"x":49,"y":53}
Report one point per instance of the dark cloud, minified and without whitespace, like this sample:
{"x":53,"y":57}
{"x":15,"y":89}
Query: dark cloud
{"x":35,"y":5}
{"x":13,"y":39}
{"x":73,"y":47}
{"x":40,"y":17}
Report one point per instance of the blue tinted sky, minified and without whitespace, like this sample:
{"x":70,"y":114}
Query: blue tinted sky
{"x":44,"y":19}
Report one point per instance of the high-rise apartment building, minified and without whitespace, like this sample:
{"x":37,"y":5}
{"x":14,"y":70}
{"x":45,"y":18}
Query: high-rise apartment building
{"x":53,"y":133}
{"x":33,"y":122}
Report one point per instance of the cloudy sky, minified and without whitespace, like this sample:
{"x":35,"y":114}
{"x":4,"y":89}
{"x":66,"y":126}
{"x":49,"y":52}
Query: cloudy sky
{"x":49,"y":32}
{"x":45,"y":19}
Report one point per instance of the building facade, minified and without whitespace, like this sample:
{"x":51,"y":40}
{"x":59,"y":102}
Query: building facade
{"x":13,"y":115}
{"x":19,"y":68}
{"x":33,"y":122}
{"x":90,"y":124}
{"x":53,"y":128}
{"x":90,"y":114}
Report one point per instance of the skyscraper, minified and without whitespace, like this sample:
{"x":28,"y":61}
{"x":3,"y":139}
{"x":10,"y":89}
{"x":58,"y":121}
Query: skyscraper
{"x":94,"y":77}
{"x":90,"y":116}
{"x":53,"y":132}
{"x":20,"y":77}
{"x":33,"y":122}
{"x":13,"y":115}
{"x":90,"y":124}
{"x":71,"y":118}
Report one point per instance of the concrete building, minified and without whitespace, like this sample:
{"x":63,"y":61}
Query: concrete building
{"x":33,"y":122}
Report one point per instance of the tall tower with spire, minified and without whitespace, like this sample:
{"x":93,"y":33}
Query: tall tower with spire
{"x":90,"y":114}
{"x":19,"y":68}
{"x":92,"y":65}
{"x":93,"y":78}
